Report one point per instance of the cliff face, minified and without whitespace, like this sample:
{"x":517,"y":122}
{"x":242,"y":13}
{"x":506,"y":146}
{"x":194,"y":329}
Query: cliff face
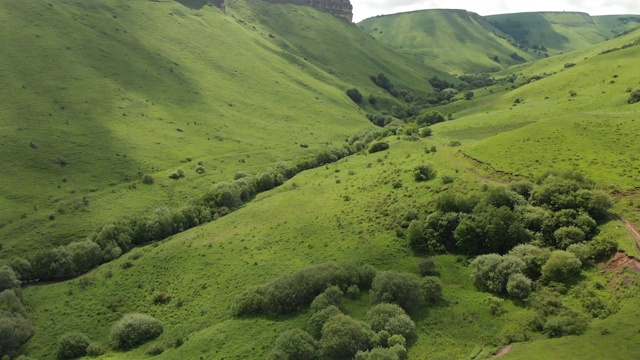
{"x":340,"y":8}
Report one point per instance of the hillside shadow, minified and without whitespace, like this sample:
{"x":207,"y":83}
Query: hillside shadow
{"x":197,"y":4}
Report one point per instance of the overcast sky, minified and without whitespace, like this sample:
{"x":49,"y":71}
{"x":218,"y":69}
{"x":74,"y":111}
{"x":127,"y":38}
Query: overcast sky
{"x":363,"y":9}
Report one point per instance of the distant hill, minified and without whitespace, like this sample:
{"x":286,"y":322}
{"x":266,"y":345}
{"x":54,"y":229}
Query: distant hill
{"x":561,"y":31}
{"x":454,"y":40}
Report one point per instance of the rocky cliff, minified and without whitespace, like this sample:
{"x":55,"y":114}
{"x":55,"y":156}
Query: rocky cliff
{"x":340,"y":8}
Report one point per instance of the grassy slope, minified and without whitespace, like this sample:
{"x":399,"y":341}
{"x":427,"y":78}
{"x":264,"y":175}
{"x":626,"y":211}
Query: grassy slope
{"x":106,"y":86}
{"x":444,"y":39}
{"x":565,"y":31}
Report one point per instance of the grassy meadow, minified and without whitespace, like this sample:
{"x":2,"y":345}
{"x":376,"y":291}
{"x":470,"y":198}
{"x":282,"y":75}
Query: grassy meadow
{"x":98,"y":94}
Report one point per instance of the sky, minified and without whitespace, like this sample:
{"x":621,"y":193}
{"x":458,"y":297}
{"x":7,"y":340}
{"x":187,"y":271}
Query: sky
{"x":363,"y":9}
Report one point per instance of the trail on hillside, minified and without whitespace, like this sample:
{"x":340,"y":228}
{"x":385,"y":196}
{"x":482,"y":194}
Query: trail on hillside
{"x":504,"y":351}
{"x":629,"y":226}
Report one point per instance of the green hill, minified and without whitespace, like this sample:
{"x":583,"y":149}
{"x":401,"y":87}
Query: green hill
{"x":455,"y":40}
{"x":561,"y":31}
{"x":98,"y":94}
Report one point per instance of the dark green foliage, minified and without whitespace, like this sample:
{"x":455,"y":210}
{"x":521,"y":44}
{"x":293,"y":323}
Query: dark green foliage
{"x":424,"y":172}
{"x":133,"y":330}
{"x":429,"y":118}
{"x":147,"y":179}
{"x":353,"y":292}
{"x":431,"y":289}
{"x":155,"y":349}
{"x":602,"y":248}
{"x":14,"y":331}
{"x":439,"y":84}
{"x":425,"y":132}
{"x":382,"y":81}
{"x":568,"y":235}
{"x":533,"y":258}
{"x":468,"y":95}
{"x":569,"y":65}
{"x":427,"y":267}
{"x":372,"y":100}
{"x":292,"y":292}
{"x":395,"y":287}
{"x":634,"y":97}
{"x":378,"y":146}
{"x":582,"y":251}
{"x":10,"y":304}
{"x":565,"y":323}
{"x":395,"y":352}
{"x":355,"y":95}
{"x":331,"y":296}
{"x":518,"y":286}
{"x":294,"y":345}
{"x":8,"y":279}
{"x":317,"y":320}
{"x":491,"y":272}
{"x":95,"y":349}
{"x":343,"y":337}
{"x":72,"y":345}
{"x":161,"y":298}
{"x":562,"y":266}
{"x":381,"y":314}
{"x":495,"y":305}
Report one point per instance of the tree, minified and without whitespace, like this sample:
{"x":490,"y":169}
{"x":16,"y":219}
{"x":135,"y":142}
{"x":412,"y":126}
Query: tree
{"x":561,"y":266}
{"x":380,"y":314}
{"x":492,"y":271}
{"x":518,"y":286}
{"x":72,"y":345}
{"x":133,"y":330}
{"x":14,"y":331}
{"x":331,"y":296}
{"x":343,"y":336}
{"x":427,"y":267}
{"x":8,"y":279}
{"x":533,"y":258}
{"x":294,"y":345}
{"x":468,"y":95}
{"x":424,"y":172}
{"x":432,"y":289}
{"x":317,"y":320}
{"x":395,"y":287}
{"x":355,"y":95}
{"x":568,"y":235}
{"x":429,"y":118}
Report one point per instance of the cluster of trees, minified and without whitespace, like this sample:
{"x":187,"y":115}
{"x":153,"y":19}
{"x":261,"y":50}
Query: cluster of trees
{"x":15,"y":327}
{"x":290,"y":293}
{"x":559,"y":211}
{"x":382,"y":81}
{"x":116,"y":238}
{"x":334,"y":335}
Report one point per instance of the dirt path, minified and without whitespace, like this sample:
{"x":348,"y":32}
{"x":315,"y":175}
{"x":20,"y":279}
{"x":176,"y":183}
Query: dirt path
{"x":504,"y":351}
{"x":630,"y":228}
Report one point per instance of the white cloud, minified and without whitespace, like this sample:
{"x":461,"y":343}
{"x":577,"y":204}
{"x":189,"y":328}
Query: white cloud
{"x":363,"y":9}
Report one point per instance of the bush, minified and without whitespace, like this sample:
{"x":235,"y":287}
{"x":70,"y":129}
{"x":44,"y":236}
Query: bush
{"x":533,"y":258}
{"x":72,"y":345}
{"x":396,"y":339}
{"x":400,"y":325}
{"x":425,"y":132}
{"x":518,"y":286}
{"x":380,"y":314}
{"x":14,"y":331}
{"x":432,"y":289}
{"x":355,"y":95}
{"x":561,"y":266}
{"x":133,"y":330}
{"x":427,"y":267}
{"x":396,"y":352}
{"x":8,"y":279}
{"x":95,"y":349}
{"x":331,"y":296}
{"x":353,"y":292}
{"x":634,"y":97}
{"x":294,"y":345}
{"x":317,"y":320}
{"x":602,"y":248}
{"x":495,"y":305}
{"x":395,"y":287}
{"x":491,"y":272}
{"x":147,"y":179}
{"x":566,"y":323}
{"x":161,"y":298}
{"x":424,"y":172}
{"x":343,"y":337}
{"x":155,"y":349}
{"x":378,"y":146}
{"x":568,"y":235}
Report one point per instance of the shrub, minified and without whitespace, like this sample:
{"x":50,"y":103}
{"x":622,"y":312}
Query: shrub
{"x":294,"y":345}
{"x":582,"y":251}
{"x":424,"y":172}
{"x":566,"y":323}
{"x":8,"y":279}
{"x":491,"y":272}
{"x":380,"y":314}
{"x":495,"y":305}
{"x":427,"y":267}
{"x":400,"y":325}
{"x":429,"y":118}
{"x":147,"y":179}
{"x":317,"y":320}
{"x":95,"y":349}
{"x":355,"y":95}
{"x":561,"y":266}
{"x":431,"y":289}
{"x":396,"y":352}
{"x":72,"y":345}
{"x":568,"y":235}
{"x":395,"y":287}
{"x":14,"y":331}
{"x":133,"y":330}
{"x":331,"y":296}
{"x":518,"y":286}
{"x":533,"y":258}
{"x":397,"y":339}
{"x":378,"y":146}
{"x":161,"y":298}
{"x":343,"y":337}
{"x":200,"y":169}
{"x":634,"y":97}
{"x":602,"y":248}
{"x":425,"y":132}
{"x":353,"y":292}
{"x":155,"y":349}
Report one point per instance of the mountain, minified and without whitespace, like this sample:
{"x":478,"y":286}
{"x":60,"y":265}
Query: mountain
{"x":102,"y":93}
{"x":561,"y":31}
{"x":455,"y":40}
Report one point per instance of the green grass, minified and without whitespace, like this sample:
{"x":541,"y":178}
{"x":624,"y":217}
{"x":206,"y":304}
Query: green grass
{"x":457,"y":41}
{"x":121,"y":88}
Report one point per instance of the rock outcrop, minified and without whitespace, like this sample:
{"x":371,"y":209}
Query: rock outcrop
{"x":339,"y":8}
